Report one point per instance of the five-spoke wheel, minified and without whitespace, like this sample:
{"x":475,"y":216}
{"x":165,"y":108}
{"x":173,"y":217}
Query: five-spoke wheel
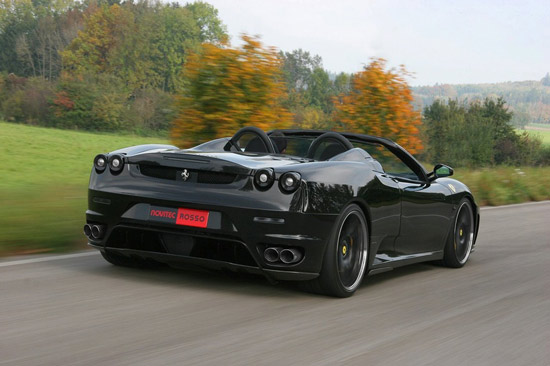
{"x":345,"y":260}
{"x":459,"y":244}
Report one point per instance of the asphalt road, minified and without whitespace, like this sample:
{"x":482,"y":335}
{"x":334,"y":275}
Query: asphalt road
{"x":79,"y":310}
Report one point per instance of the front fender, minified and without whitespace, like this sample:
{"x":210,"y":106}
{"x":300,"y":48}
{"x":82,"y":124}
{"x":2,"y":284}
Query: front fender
{"x":459,"y":191}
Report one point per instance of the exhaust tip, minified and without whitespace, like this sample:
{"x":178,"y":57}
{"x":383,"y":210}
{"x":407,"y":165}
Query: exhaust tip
{"x":97,"y":231}
{"x":290,"y":256}
{"x":87,"y":230}
{"x":271,"y":254}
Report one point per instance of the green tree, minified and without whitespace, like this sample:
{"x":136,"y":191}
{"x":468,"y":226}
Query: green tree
{"x":177,"y":35}
{"x":478,"y":133}
{"x":497,"y":112}
{"x":211,"y":29}
{"x":32,"y":33}
{"x":16,"y":20}
{"x":342,"y":84}
{"x":310,"y":90}
{"x":320,"y":91}
{"x":521,"y":117}
{"x":144,"y":45}
{"x":298,"y":66}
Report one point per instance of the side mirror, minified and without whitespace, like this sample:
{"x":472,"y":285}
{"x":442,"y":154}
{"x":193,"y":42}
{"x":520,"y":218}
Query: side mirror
{"x":441,"y":171}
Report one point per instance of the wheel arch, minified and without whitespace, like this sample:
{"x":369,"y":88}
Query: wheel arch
{"x":476,"y":215}
{"x":366,"y":211}
{"x":365,"y":208}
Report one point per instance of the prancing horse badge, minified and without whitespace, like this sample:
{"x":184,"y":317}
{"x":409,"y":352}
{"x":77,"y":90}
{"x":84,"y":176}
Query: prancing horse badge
{"x":184,"y":175}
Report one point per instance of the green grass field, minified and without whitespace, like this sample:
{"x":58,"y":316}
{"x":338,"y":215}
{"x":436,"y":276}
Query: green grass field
{"x":544,"y":135}
{"x":542,"y":132}
{"x":43,"y":184}
{"x":506,"y":185}
{"x":542,"y":125}
{"x":44,"y":178}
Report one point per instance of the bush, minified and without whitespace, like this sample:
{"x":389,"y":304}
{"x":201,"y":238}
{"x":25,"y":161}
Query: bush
{"x":544,"y":156}
{"x":506,"y":185}
{"x":151,"y":109}
{"x":91,"y":102}
{"x":25,"y":100}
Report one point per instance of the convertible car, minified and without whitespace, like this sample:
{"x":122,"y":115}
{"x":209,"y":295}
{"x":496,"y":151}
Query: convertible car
{"x":324,"y":208}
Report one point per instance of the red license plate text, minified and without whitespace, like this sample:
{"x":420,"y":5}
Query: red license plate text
{"x":189,"y":217}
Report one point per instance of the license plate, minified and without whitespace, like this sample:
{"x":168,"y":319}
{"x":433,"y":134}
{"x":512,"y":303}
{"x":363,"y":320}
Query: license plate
{"x":190,"y":217}
{"x":179,"y":216}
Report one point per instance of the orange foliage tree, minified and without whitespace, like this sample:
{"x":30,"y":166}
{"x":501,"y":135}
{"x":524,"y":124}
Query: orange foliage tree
{"x":227,"y":88}
{"x":380,"y":104}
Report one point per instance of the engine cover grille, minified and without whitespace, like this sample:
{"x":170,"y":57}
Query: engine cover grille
{"x":197,"y":176}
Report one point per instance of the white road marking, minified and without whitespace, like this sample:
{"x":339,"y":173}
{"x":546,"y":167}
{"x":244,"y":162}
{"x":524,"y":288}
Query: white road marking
{"x":514,"y":205}
{"x":47,"y":259}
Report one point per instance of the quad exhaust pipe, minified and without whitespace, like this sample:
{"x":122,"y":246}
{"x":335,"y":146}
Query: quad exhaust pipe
{"x":272,"y":254}
{"x":285,"y":255}
{"x":88,"y":230}
{"x":290,"y":256}
{"x":94,"y":231}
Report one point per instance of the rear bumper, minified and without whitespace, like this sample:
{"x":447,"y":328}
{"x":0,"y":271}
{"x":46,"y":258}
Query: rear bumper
{"x":234,"y":240}
{"x":175,"y":260}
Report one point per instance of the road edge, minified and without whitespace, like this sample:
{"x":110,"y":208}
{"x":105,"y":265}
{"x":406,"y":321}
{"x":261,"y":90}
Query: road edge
{"x":532,"y":203}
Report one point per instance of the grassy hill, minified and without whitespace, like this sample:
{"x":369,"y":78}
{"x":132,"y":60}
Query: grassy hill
{"x":43,"y":184}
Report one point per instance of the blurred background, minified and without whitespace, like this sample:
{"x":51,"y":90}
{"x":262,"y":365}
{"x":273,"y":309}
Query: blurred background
{"x":465,"y":84}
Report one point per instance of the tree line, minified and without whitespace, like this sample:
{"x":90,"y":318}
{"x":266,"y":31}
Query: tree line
{"x":529,"y":100}
{"x":98,"y":65}
{"x":478,"y":133}
{"x":149,"y":66}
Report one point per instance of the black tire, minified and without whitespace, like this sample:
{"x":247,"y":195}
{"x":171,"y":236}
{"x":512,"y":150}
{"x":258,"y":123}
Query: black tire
{"x":345,"y":260}
{"x":461,"y":238}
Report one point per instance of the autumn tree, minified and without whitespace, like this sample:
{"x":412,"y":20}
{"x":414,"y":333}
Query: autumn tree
{"x":226,"y":88}
{"x":141,"y":43}
{"x":380,"y":103}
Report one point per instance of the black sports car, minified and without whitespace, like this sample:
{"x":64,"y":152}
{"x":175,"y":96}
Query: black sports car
{"x":324,"y":208}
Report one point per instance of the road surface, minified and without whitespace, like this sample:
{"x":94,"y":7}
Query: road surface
{"x":79,"y":310}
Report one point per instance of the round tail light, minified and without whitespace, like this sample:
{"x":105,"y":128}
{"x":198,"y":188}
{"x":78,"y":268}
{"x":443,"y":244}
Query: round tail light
{"x":116,"y":163}
{"x":264,"y":178}
{"x":289,"y":182}
{"x":100,"y":163}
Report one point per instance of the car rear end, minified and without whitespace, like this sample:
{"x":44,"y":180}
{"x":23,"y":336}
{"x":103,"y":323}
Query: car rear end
{"x":176,"y":207}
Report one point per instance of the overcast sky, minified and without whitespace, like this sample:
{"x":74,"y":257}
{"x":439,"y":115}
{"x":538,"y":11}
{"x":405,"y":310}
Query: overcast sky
{"x":440,"y":41}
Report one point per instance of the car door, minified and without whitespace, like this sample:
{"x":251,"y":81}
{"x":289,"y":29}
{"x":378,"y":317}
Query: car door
{"x":425,"y":217}
{"x":425,"y":208}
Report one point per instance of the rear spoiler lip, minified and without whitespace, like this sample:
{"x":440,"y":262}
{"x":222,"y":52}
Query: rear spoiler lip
{"x":189,"y":161}
{"x":141,"y":149}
